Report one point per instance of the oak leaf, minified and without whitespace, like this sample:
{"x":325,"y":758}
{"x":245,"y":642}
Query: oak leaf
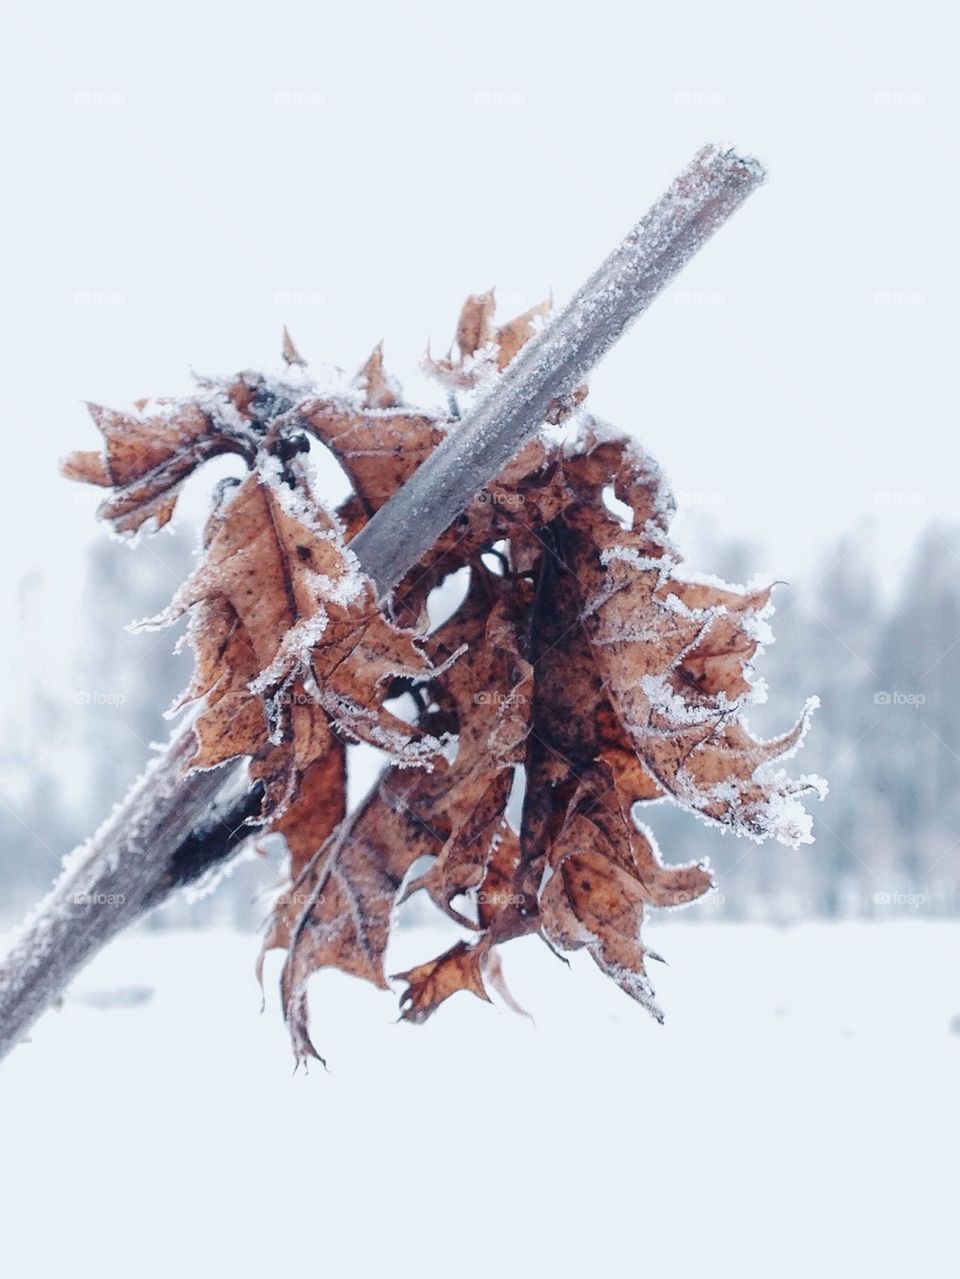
{"x":584,"y":668}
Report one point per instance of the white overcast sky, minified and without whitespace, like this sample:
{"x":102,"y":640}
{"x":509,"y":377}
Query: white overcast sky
{"x":180,"y":180}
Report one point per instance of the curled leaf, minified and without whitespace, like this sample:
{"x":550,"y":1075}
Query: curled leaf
{"x":585,"y":669}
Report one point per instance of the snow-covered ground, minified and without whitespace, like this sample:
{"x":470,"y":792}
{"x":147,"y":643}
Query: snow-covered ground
{"x":796,"y":1115}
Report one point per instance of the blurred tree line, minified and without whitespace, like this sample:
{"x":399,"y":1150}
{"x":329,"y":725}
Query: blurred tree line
{"x":887,"y":737}
{"x":82,"y":730}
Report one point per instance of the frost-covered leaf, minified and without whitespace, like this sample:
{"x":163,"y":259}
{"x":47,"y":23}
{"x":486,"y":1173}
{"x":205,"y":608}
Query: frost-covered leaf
{"x":488,"y":693}
{"x":585,"y":669}
{"x":289,"y":352}
{"x":674,"y":659}
{"x":149,"y":453}
{"x":377,"y":441}
{"x":482,"y":349}
{"x":289,"y":631}
{"x":430,"y":983}
{"x":337,"y":912}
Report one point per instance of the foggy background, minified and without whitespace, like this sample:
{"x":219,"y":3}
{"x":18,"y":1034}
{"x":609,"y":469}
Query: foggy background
{"x":195,"y":177}
{"x":181,"y":180}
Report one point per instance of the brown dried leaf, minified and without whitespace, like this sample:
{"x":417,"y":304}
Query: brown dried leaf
{"x":482,"y":349}
{"x":674,"y":659}
{"x":489,"y":689}
{"x":379,"y":390}
{"x":297,"y":635}
{"x":429,"y":984}
{"x":587,"y":658}
{"x":148,"y":455}
{"x":339,"y":910}
{"x":379,"y":448}
{"x":289,"y":352}
{"x":591,"y":901}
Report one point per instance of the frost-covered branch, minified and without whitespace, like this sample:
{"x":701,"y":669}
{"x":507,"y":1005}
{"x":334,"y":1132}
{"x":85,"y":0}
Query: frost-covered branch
{"x":162,"y":834}
{"x":106,"y":884}
{"x":556,"y":361}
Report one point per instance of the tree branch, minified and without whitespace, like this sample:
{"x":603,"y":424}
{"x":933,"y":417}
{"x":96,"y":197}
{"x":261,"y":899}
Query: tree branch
{"x":555,"y":362}
{"x":162,"y":835}
{"x":106,"y":885}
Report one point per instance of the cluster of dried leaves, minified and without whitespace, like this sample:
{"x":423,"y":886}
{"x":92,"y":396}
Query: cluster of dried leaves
{"x":581,"y":661}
